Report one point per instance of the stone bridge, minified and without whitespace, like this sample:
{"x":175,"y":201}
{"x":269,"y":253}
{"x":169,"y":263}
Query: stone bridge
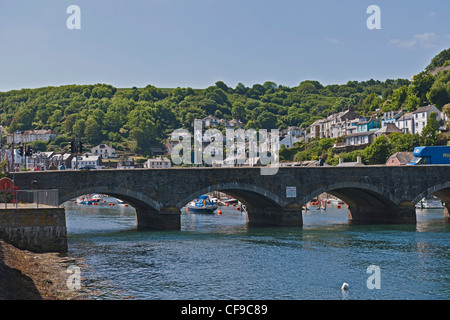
{"x":381,"y":194}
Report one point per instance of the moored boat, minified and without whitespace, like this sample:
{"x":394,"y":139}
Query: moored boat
{"x":432,"y":203}
{"x":94,"y":199}
{"x":202,"y":204}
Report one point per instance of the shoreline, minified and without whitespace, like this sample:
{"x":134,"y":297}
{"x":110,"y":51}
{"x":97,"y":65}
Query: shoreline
{"x":25,"y":275}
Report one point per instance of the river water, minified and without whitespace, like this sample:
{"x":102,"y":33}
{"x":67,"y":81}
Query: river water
{"x":220,"y":257}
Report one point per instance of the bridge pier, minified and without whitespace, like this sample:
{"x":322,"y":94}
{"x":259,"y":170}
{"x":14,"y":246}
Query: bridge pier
{"x":166,"y":219}
{"x":273,"y":216}
{"x":447,"y":211}
{"x":395,"y":214}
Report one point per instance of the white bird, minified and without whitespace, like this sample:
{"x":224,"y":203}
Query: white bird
{"x":345,"y":286}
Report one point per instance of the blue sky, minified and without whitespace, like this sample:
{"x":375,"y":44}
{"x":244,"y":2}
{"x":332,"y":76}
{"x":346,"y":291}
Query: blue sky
{"x":194,"y":43}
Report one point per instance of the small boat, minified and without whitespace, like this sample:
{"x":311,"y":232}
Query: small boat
{"x":231,"y":202}
{"x":202,"y":204}
{"x":90,"y":200}
{"x":432,"y":203}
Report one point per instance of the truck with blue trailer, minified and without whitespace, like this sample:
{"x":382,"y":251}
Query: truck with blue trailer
{"x":431,"y":155}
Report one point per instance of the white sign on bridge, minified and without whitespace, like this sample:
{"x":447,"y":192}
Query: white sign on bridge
{"x":291,"y":192}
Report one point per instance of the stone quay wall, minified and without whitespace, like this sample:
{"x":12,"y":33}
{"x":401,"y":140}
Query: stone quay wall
{"x":34,"y":229}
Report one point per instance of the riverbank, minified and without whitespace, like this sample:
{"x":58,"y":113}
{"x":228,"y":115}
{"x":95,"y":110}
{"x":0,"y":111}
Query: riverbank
{"x":25,"y":275}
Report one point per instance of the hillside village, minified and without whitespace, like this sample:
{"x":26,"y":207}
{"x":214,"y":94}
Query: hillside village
{"x":359,"y":132}
{"x":350,"y":130}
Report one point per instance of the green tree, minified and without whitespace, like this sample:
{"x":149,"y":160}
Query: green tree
{"x":142,"y":128}
{"x":446,"y":110}
{"x":430,"y":134}
{"x":267,"y":120}
{"x":92,"y":131}
{"x":22,"y":120}
{"x":422,"y":83}
{"x":403,"y":142}
{"x":38,"y":145}
{"x":112,"y":121}
{"x":439,"y":60}
{"x":240,"y":89}
{"x":378,"y":152}
{"x":439,"y":93}
{"x":238,"y":111}
{"x":78,"y":127}
{"x":68,"y":123}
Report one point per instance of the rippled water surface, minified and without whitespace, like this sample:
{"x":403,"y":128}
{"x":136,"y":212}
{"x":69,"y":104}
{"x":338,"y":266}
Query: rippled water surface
{"x":219,"y":257}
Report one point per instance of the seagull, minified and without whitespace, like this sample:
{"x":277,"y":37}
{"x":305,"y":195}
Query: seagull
{"x":345,"y":286}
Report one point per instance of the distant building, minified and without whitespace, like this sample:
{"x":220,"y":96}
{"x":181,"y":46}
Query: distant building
{"x":335,"y":125}
{"x":388,"y":129}
{"x":210,"y":121}
{"x":406,"y":123}
{"x":422,"y":115}
{"x":233,"y":124}
{"x":315,"y":129}
{"x":391,"y":117}
{"x":369,"y":125}
{"x":31,"y":135}
{"x":158,"y":162}
{"x":87,"y":161}
{"x":288,"y":141}
{"x":292,"y":135}
{"x":399,"y":159}
{"x":126,"y":164}
{"x":104,"y":151}
{"x":360,"y":139}
{"x":414,"y":122}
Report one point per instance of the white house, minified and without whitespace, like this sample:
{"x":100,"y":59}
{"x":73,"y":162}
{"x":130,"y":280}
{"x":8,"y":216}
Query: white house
{"x":288,"y":141}
{"x":315,"y":129}
{"x":415,"y":121}
{"x":158,"y":162}
{"x":360,"y":139}
{"x":390,"y":117}
{"x":104,"y":151}
{"x":406,"y":123}
{"x":422,"y":115}
{"x":87,"y":161}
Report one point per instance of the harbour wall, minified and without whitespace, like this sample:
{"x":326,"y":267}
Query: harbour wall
{"x":34,"y":229}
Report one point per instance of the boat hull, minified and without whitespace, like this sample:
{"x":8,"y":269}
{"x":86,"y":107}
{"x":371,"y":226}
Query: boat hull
{"x":200,"y":210}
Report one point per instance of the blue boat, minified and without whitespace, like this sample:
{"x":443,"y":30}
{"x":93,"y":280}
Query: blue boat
{"x":202,"y":204}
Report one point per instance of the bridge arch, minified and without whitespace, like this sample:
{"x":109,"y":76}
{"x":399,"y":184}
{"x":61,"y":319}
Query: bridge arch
{"x":368,"y":203}
{"x":441,"y":191}
{"x":356,"y":194}
{"x":148,"y":211}
{"x":263,"y":207}
{"x":247,"y":194}
{"x":135,"y":199}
